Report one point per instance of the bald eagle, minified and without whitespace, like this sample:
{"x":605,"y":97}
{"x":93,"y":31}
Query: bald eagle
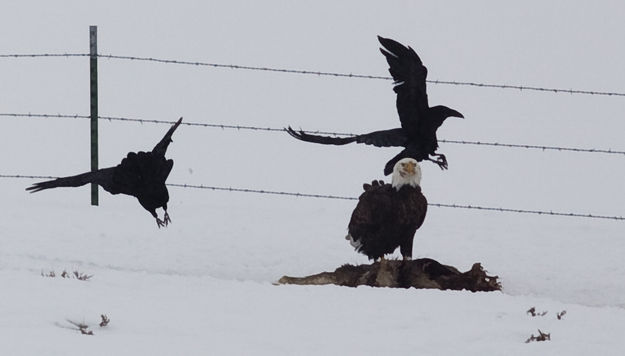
{"x":141,"y":175}
{"x":388,"y":215}
{"x":419,"y":121}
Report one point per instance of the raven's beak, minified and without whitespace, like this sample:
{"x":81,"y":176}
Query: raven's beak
{"x":457,"y":114}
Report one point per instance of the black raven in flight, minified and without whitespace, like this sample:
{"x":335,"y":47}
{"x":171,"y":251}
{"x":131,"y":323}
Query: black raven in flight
{"x":141,"y":175}
{"x":419,"y":121}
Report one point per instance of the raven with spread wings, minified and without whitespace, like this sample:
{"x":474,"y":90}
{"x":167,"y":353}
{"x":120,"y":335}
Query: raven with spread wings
{"x":141,"y":175}
{"x":419,"y":121}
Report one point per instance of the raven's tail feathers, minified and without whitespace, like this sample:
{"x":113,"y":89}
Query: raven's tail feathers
{"x":325,"y":140}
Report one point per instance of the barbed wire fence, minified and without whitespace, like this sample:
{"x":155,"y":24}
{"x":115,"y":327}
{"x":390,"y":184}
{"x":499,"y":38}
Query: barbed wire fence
{"x":320,"y":73}
{"x":324,"y":74}
{"x":281,"y":130}
{"x":339,"y":197}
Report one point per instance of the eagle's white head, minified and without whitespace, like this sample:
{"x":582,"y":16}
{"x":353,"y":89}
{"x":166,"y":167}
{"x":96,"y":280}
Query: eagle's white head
{"x":406,"y":172}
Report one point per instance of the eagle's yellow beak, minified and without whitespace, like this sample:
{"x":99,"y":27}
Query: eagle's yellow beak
{"x":409,"y":167}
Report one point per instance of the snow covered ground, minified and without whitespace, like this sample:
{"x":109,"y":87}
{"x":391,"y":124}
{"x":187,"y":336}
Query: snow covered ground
{"x":204,"y":284}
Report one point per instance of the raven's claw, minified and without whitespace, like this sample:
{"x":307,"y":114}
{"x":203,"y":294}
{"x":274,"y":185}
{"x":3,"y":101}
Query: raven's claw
{"x":441,"y":160}
{"x":166,"y":219}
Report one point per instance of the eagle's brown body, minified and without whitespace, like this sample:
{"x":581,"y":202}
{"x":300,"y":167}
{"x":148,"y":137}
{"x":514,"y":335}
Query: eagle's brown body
{"x":386,"y":218}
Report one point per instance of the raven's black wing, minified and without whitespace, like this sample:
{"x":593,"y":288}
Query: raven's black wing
{"x":384,"y":138}
{"x":103,"y":177}
{"x":161,"y":147}
{"x":409,"y":74}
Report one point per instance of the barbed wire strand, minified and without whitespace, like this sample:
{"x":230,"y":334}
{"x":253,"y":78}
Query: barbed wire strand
{"x":338,"y":197}
{"x":26,"y":176}
{"x":39,"y":55}
{"x":439,"y":205}
{"x":363,"y":76}
{"x":273,"y":129}
{"x":320,"y":73}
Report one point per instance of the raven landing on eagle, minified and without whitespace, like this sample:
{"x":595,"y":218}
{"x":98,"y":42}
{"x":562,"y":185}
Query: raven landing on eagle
{"x":141,"y":175}
{"x":419,"y":121}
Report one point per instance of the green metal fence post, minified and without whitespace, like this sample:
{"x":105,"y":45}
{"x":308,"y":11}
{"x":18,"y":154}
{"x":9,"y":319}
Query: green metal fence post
{"x":93,"y":61}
